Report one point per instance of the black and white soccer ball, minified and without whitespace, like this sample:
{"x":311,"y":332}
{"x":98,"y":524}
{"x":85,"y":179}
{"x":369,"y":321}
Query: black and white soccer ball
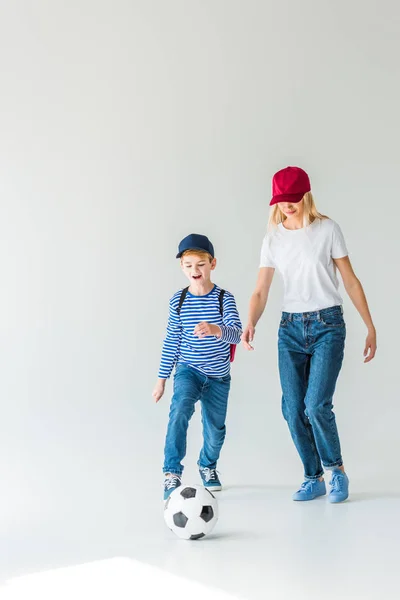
{"x":191,"y":512}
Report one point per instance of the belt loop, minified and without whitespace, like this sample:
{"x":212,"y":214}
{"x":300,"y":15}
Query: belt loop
{"x":319,"y":315}
{"x":290,"y":317}
{"x":341,"y":309}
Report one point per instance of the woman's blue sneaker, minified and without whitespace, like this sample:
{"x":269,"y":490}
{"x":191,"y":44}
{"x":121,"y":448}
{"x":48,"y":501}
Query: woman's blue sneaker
{"x":310,"y":489}
{"x":340,"y":487}
{"x":171,"y":482}
{"x":210,"y":479}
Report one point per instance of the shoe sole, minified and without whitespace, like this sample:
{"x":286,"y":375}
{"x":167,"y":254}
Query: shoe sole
{"x":334,"y":501}
{"x":308,"y":499}
{"x":213,"y":488}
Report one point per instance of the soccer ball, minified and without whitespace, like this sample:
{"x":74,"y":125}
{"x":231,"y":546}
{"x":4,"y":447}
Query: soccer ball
{"x":191,"y":512}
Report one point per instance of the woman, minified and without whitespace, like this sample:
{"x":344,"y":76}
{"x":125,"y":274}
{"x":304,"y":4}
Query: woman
{"x":307,"y":248}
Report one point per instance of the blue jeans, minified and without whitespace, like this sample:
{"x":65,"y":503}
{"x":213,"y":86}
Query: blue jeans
{"x":311,"y":348}
{"x":190,"y":386}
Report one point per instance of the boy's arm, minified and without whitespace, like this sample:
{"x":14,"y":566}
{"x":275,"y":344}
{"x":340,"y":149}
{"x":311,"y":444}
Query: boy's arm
{"x":171,"y":344}
{"x":231,"y":328}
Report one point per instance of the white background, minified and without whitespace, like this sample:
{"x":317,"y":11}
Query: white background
{"x":124,"y":126}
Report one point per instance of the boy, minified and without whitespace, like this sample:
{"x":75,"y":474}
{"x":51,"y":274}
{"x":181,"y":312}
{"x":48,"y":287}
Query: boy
{"x":203,"y":324}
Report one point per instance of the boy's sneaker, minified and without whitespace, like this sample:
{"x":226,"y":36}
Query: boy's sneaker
{"x":310,"y":489}
{"x":340,"y":487}
{"x":210,"y":479}
{"x":171,"y":482}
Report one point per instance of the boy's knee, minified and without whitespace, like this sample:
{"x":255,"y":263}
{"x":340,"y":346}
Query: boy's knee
{"x":217,"y":435}
{"x":182,"y":410}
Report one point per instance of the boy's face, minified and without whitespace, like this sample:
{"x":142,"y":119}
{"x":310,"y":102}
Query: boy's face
{"x":197,"y":268}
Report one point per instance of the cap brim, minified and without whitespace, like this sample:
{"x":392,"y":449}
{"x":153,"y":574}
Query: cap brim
{"x":179,"y":255}
{"x":294,"y":198}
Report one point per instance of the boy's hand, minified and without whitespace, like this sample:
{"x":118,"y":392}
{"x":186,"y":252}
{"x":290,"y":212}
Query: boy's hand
{"x":159,"y":390}
{"x":248,"y":336}
{"x":204,"y":329}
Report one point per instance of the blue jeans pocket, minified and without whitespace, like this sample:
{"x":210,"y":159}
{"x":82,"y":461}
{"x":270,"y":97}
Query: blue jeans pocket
{"x":179,"y":369}
{"x":333,"y":320}
{"x":225,"y":379}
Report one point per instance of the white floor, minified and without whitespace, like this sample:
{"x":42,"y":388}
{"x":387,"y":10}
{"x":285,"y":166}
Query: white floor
{"x":264,"y":546}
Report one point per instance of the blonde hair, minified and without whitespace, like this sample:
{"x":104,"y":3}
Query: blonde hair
{"x":310,"y":212}
{"x":199,"y":253}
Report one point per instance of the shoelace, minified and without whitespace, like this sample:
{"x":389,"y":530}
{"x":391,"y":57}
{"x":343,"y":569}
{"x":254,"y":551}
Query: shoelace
{"x":306,"y":486}
{"x":336,"y":483}
{"x":209,"y":474}
{"x":171,"y":481}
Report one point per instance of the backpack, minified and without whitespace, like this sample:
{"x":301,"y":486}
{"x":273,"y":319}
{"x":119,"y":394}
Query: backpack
{"x":232,"y":349}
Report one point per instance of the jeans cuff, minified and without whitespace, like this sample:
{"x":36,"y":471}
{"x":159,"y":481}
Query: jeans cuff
{"x":313,"y":477}
{"x":338,"y":463}
{"x":174,"y":471}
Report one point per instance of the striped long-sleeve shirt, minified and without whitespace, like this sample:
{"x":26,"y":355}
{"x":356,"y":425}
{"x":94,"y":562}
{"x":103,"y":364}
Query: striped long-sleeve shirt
{"x":209,"y":355}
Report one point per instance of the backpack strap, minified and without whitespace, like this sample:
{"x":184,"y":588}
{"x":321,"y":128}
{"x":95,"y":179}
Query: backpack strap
{"x":221,"y":302}
{"x":232,"y":347}
{"x":183,"y":296}
{"x":182,"y":300}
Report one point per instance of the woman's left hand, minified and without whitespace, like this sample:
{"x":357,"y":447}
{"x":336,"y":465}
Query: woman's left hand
{"x":370,"y":346}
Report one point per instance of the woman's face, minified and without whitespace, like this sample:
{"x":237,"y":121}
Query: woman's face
{"x":292,"y":210}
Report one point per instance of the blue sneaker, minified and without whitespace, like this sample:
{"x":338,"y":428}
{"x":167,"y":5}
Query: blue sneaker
{"x":310,"y":489}
{"x":210,"y":479}
{"x":340,"y":487}
{"x":171,"y":482}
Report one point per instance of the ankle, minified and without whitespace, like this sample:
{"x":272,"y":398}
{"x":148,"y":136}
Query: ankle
{"x":341,"y":469}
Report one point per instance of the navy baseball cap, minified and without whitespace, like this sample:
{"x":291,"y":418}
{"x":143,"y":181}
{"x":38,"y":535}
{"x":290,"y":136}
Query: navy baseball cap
{"x":195,"y":241}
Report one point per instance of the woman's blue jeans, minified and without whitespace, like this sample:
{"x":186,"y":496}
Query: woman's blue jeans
{"x":311,"y":349}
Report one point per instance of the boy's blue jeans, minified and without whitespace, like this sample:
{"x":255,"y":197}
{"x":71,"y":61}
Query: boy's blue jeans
{"x":311,"y":349}
{"x":190,"y":386}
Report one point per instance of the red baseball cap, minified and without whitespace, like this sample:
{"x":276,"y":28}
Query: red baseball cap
{"x":289,"y":185}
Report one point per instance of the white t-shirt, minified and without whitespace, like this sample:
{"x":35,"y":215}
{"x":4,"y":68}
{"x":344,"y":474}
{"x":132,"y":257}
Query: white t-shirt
{"x":304,"y":258}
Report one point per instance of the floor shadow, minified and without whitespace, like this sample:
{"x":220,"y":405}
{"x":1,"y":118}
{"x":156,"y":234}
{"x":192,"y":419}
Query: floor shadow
{"x":370,"y":496}
{"x":257,"y":487}
{"x":232,"y":535}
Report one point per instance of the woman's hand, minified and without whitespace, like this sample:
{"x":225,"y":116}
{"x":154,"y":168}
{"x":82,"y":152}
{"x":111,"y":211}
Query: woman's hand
{"x":357,"y":296}
{"x":248,"y":336}
{"x":370,"y":346}
{"x":258,"y":301}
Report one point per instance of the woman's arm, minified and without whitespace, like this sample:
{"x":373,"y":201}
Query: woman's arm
{"x":356,"y":293}
{"x":257,"y":304}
